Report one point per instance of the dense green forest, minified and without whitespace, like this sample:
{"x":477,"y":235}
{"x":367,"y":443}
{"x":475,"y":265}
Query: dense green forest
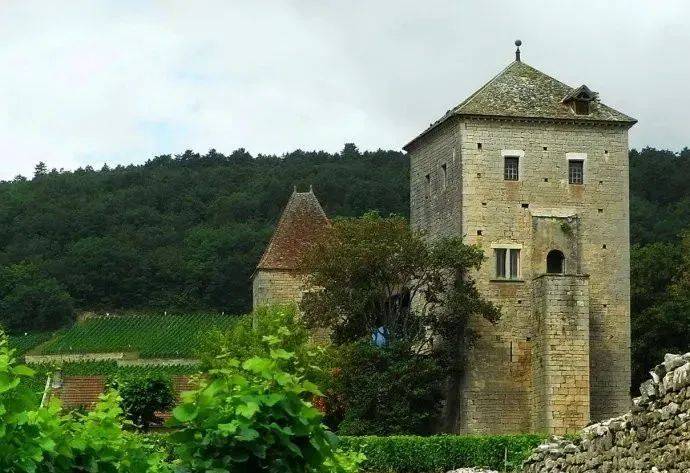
{"x":176,"y":233}
{"x":185,"y":232}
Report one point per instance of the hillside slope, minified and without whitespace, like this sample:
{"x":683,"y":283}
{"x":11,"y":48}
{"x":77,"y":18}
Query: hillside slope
{"x":179,"y":232}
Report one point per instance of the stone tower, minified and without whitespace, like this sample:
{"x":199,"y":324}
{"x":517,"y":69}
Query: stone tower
{"x":277,"y":278}
{"x":536,"y":173}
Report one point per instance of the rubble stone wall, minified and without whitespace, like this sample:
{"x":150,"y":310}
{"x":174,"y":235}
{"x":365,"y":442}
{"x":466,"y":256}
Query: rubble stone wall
{"x":653,"y":437}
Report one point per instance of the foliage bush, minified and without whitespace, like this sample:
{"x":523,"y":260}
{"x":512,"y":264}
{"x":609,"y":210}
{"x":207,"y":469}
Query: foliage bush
{"x":152,"y":336}
{"x":254,"y":416}
{"x":144,"y":396}
{"x":440,"y":453}
{"x":246,"y":339}
{"x":383,"y":391}
{"x":41,"y":439}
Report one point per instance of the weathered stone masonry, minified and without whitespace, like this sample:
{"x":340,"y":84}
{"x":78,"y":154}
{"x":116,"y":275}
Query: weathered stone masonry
{"x":517,"y":380}
{"x":653,"y":437}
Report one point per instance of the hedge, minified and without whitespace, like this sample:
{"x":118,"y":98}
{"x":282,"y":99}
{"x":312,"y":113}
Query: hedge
{"x":440,"y":453}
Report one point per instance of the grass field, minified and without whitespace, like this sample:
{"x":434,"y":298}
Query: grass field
{"x":151,"y":336}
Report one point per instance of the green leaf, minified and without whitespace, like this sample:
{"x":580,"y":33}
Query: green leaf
{"x":23,"y":370}
{"x":281,"y":354}
{"x":247,"y":434}
{"x":185,"y":412}
{"x":248,"y":410}
{"x":258,"y":365}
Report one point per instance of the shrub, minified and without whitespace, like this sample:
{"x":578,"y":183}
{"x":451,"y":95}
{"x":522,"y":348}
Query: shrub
{"x":41,"y":439}
{"x":254,"y":416}
{"x":143,"y":396}
{"x":440,"y":453}
{"x":245,"y":339}
{"x":98,"y":442}
{"x":384,"y":391}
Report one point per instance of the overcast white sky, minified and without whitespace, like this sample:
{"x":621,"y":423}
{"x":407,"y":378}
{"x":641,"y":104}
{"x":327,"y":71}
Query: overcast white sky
{"x":88,"y":82}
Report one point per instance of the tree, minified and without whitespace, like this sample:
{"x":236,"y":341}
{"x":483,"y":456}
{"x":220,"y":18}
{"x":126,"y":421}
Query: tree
{"x":375,"y":273}
{"x":384,"y":391}
{"x":378,"y":279}
{"x":32,"y":301}
{"x":40,"y":170}
{"x":143,"y":397}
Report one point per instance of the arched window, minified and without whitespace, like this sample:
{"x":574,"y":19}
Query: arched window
{"x":555,"y":262}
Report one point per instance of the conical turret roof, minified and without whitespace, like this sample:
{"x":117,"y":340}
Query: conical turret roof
{"x":302,"y":223}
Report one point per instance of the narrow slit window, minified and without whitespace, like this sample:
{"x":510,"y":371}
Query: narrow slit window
{"x":576,"y":174}
{"x":511,"y":168}
{"x":427,"y":185}
{"x":444,"y":175}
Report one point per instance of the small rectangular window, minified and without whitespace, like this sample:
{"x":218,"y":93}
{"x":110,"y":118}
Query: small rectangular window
{"x":427,"y":185}
{"x":511,"y":166}
{"x":576,"y":173}
{"x":444,"y":175}
{"x":507,"y":263}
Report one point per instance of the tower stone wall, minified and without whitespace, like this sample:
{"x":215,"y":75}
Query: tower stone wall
{"x":276,"y":287}
{"x":466,"y":194}
{"x":560,"y":363}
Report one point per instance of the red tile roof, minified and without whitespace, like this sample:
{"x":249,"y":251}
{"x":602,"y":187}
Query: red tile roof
{"x":301,"y":224}
{"x":83,"y":391}
{"x":80,"y":391}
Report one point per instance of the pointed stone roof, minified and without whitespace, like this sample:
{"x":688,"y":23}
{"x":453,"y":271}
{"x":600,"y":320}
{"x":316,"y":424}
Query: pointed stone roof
{"x":302,"y":222}
{"x":522,"y":91}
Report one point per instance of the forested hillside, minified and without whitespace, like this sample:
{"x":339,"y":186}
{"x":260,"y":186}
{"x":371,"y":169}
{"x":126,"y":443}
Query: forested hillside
{"x":176,"y":233}
{"x":185,"y":232}
{"x":660,"y":256}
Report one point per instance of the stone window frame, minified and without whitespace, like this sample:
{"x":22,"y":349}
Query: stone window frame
{"x":507,"y":247}
{"x":513,"y":153}
{"x":577,"y":157}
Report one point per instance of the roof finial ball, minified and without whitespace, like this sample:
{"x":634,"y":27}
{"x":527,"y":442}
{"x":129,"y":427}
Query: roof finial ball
{"x":518,"y":43}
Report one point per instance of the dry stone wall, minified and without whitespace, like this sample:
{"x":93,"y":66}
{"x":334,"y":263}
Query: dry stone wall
{"x":653,"y":437}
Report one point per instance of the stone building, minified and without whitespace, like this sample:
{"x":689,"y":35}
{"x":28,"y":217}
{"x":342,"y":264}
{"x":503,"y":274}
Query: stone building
{"x":536,"y":173}
{"x":277,"y":278}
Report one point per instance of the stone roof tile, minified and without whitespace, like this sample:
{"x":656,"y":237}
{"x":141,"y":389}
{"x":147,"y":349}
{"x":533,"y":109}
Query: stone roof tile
{"x":522,"y":91}
{"x":302,"y":222}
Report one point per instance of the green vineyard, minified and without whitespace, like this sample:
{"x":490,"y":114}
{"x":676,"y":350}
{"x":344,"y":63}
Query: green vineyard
{"x":26,"y":341}
{"x":150,"y":336}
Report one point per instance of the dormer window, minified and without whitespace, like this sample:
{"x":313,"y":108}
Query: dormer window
{"x":580,"y":100}
{"x":581,"y":107}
